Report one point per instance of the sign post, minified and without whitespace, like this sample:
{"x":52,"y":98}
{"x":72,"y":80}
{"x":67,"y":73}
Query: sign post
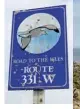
{"x":39,"y":51}
{"x":38,"y":96}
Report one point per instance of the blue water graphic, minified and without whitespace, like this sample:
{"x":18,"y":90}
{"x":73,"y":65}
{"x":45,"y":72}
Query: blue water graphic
{"x":43,"y":43}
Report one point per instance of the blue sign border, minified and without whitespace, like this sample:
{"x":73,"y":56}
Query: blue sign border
{"x":66,"y":85}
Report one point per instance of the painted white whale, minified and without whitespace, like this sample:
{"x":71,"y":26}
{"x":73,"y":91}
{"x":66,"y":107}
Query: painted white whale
{"x":27,"y":35}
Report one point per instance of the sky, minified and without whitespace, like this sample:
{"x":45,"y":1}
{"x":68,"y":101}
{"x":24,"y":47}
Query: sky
{"x":76,"y":24}
{"x":63,"y":96}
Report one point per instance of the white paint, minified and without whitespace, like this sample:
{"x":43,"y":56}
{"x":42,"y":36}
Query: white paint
{"x":31,"y":21}
{"x":43,"y":36}
{"x":51,"y":96}
{"x":49,"y":78}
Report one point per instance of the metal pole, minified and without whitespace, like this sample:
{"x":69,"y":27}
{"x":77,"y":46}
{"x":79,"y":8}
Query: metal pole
{"x":38,"y":96}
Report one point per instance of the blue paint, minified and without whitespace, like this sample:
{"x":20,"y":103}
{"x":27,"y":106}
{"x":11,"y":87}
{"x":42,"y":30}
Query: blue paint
{"x":58,"y":48}
{"x":43,"y":43}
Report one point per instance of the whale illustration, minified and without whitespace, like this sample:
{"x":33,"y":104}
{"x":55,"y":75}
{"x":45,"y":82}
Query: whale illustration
{"x":27,"y":35}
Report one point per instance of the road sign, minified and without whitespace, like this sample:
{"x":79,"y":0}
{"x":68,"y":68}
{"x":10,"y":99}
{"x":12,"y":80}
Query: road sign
{"x":39,"y":55}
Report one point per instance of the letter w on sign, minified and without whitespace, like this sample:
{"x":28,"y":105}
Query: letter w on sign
{"x":49,"y":78}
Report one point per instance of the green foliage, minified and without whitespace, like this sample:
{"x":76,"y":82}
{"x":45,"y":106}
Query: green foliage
{"x":76,"y":83}
{"x":76,"y":75}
